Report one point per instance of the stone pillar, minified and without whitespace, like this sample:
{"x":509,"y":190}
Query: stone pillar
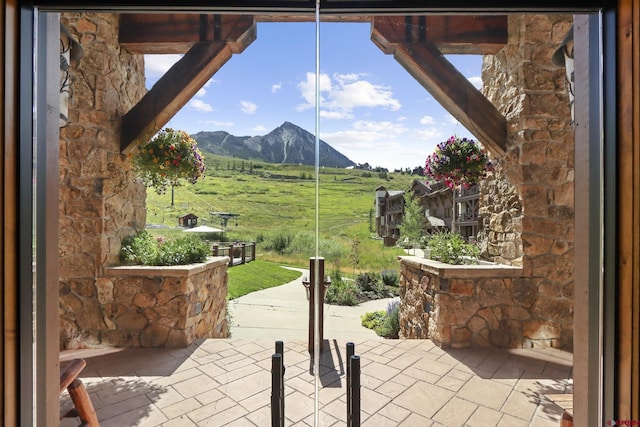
{"x":530,"y":91}
{"x":99,"y":200}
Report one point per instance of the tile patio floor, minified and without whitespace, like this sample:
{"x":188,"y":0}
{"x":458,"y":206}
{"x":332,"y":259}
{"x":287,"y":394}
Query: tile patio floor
{"x":227,"y":382}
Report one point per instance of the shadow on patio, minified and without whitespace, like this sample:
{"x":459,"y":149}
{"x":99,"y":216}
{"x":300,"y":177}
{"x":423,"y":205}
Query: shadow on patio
{"x":404,"y":382}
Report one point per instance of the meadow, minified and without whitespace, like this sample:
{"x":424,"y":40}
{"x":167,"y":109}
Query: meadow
{"x":277,"y":201}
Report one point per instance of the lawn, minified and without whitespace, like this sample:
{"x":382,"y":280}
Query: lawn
{"x":257,"y":275}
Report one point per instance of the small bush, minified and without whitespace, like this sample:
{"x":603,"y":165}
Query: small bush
{"x":451,"y":248}
{"x":371,"y":286}
{"x":373,"y":319}
{"x":390,"y":277}
{"x":391,"y":325}
{"x":342,"y":292}
{"x":143,"y":249}
{"x":385,"y":323}
{"x":279,"y":241}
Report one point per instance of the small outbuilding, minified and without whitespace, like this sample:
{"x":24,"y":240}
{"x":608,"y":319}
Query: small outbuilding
{"x":188,"y":220}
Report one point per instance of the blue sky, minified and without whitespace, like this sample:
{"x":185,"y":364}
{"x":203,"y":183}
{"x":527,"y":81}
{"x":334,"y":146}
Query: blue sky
{"x":371,"y":109}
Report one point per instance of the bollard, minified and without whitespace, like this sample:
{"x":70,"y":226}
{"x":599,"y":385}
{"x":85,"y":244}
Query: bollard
{"x":353,"y":417}
{"x":277,"y":385}
{"x":280,"y":350}
{"x":311,"y":295}
{"x":351,"y":348}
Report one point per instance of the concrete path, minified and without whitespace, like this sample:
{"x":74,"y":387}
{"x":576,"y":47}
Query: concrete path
{"x":281,"y":313}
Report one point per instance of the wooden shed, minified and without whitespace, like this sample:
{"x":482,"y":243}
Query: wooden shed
{"x":188,"y":220}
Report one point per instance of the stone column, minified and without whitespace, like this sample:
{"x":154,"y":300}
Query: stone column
{"x":530,"y":91}
{"x":99,"y":200}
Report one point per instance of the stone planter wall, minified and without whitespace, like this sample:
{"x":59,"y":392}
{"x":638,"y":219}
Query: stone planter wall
{"x":476,"y":306}
{"x":140,"y":306}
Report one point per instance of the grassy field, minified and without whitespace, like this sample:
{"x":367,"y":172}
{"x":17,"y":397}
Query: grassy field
{"x":273,"y":199}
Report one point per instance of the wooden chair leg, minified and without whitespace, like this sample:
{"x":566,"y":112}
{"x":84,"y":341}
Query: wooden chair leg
{"x":566,"y":420}
{"x":82,"y":403}
{"x":82,"y":406}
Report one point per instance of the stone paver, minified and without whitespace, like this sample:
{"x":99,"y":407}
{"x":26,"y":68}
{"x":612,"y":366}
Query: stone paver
{"x":430,"y":386}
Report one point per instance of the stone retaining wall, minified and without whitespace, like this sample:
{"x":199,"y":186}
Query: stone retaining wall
{"x":140,"y":306}
{"x":476,"y":306}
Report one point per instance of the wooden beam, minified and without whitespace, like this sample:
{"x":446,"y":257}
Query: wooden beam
{"x":455,"y":93}
{"x":479,"y":35}
{"x":172,"y":92}
{"x":177,"y":33}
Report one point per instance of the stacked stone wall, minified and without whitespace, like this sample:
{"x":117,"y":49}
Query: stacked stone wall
{"x":524,"y":84}
{"x":100,"y":202}
{"x":479,"y":306}
{"x":150,"y":306}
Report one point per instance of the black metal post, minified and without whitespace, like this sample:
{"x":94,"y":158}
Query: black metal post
{"x":354,"y":361}
{"x":280,"y":350}
{"x":351,"y":348}
{"x":277,"y":418}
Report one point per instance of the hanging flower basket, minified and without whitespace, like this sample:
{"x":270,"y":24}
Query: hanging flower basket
{"x":457,"y":162}
{"x":167,"y":158}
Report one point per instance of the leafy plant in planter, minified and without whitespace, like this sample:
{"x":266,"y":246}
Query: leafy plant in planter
{"x":144,"y":249}
{"x":457,"y":162}
{"x":168,"y":158}
{"x":451,"y":248}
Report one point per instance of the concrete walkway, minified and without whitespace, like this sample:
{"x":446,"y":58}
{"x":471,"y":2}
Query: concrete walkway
{"x":281,"y":313}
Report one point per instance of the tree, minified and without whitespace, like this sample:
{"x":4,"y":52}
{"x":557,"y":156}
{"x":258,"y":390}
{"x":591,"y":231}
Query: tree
{"x":413,"y":220}
{"x":354,"y":252}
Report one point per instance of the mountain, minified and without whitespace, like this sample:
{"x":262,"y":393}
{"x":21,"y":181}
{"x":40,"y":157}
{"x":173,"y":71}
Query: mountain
{"x":287,"y":143}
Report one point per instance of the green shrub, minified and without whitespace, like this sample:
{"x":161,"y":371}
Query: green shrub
{"x":342,"y":292}
{"x":390,"y":277}
{"x":279,"y":241}
{"x":391,"y":326}
{"x":370,"y":285}
{"x":140,"y":248}
{"x":373,"y":319}
{"x":143,"y":249}
{"x":384,"y":323}
{"x":451,"y":248}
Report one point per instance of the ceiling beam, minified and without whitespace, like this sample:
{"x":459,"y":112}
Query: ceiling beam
{"x":155,"y":33}
{"x":479,"y":35}
{"x":456,"y":94}
{"x":446,"y":84}
{"x":176,"y":33}
{"x":176,"y":87}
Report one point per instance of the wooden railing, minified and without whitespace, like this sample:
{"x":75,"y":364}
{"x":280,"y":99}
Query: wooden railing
{"x":238,"y":253}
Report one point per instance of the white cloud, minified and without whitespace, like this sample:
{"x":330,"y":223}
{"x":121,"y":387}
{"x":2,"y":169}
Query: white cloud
{"x":429,"y":134}
{"x":335,"y":115}
{"x":217,"y":124}
{"x":200,"y":105}
{"x":427,"y":120}
{"x":203,"y":90}
{"x":343,"y":93}
{"x":365,"y":137}
{"x":307,"y":89}
{"x":248,"y":107}
{"x":259,"y":129}
{"x":276,"y":87}
{"x":476,"y":81}
{"x":156,"y":65}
